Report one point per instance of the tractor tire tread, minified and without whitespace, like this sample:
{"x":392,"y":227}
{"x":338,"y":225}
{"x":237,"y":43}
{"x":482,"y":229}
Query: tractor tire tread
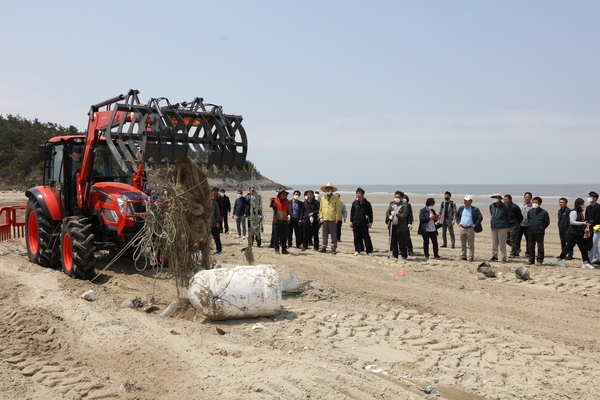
{"x":47,"y":256}
{"x":82,"y":243}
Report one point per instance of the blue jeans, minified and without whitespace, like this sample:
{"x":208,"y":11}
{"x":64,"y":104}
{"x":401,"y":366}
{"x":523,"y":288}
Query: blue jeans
{"x":594,"y":253}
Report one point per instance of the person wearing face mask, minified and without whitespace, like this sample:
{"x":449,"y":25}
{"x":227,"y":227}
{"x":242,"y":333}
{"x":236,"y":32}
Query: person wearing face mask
{"x":295,"y":228}
{"x":411,"y":221}
{"x":317,"y":195}
{"x":310,"y":221}
{"x":216,"y":221}
{"x":255,"y":216}
{"x":447,"y":212}
{"x":563,"y":225}
{"x":273,"y":233}
{"x":525,"y":207}
{"x":281,"y":218}
{"x":329,"y":212}
{"x":310,"y":236}
{"x":361,"y":220}
{"x":225,"y":209}
{"x":592,"y":215}
{"x":396,"y":217}
{"x":500,"y":214}
{"x":240,"y":212}
{"x":537,"y":222}
{"x":514,"y":226}
{"x":427,"y":229}
{"x":575,"y":236}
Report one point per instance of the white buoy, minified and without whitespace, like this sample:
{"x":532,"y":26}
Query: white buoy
{"x":237,"y":292}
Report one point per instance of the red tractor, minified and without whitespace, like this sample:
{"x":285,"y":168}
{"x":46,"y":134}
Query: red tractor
{"x":92,"y":197}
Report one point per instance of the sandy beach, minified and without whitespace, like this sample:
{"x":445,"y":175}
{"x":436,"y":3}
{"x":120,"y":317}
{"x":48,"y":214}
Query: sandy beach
{"x":364,"y":328}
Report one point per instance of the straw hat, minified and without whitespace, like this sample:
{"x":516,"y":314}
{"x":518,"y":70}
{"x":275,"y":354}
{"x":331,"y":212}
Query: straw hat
{"x":329,"y":185}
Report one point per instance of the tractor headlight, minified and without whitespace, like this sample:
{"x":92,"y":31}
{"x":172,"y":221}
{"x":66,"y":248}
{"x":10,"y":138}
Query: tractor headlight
{"x":122,"y":201}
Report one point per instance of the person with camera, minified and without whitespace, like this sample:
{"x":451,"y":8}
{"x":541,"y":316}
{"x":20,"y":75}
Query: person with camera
{"x":428,"y":229}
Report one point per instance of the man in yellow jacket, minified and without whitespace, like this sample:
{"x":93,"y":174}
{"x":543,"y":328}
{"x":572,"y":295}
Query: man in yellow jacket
{"x":330,"y":211}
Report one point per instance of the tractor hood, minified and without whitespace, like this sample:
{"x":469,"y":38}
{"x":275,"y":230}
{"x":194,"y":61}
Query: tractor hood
{"x":113,"y":190}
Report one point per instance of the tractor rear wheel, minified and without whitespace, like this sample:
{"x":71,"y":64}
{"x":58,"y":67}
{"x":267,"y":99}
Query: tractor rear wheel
{"x":77,"y":248}
{"x":39,"y":228}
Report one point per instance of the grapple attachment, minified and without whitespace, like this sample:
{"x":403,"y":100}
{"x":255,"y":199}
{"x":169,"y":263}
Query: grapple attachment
{"x":161,"y":132}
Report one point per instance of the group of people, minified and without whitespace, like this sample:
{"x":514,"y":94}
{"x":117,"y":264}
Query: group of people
{"x":510,"y":222}
{"x":247,"y":212}
{"x":304,"y":218}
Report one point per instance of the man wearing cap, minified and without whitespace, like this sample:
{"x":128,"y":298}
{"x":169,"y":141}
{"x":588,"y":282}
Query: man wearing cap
{"x":469,"y":220}
{"x":500,"y":214}
{"x":281,"y":217}
{"x":592,"y":215}
{"x":329,"y":212}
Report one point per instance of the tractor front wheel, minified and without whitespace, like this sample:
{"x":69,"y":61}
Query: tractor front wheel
{"x":77,"y":248}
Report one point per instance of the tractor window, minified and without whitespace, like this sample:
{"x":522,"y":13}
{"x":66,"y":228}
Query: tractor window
{"x":106,"y":167}
{"x":76,"y":159}
{"x":56,"y":167}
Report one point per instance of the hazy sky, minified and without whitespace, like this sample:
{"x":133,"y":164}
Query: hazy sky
{"x":348,"y":92}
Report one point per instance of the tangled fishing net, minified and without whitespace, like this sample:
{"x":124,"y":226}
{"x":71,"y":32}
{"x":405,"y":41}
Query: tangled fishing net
{"x":178,"y":224}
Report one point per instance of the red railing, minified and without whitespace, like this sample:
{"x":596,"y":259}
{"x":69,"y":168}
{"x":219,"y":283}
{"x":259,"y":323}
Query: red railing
{"x":12,"y":222}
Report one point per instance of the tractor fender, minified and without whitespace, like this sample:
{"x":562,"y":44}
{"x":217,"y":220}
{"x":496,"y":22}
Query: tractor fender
{"x":47,"y":200}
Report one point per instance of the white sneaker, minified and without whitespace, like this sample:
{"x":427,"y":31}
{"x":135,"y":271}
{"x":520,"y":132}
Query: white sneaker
{"x":587,"y":266}
{"x":356,"y":253}
{"x":560,"y":263}
{"x":370,"y":254}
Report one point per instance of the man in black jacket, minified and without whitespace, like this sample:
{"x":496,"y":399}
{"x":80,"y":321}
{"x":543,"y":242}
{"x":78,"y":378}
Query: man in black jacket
{"x":592,"y":215}
{"x":411,"y":220}
{"x":537,"y":222}
{"x":225,"y":206}
{"x":361,"y":218}
{"x":310,"y":221}
{"x":447,"y":212}
{"x":563,"y":225}
{"x":515,"y":217}
{"x":295,"y":227}
{"x":216,"y":220}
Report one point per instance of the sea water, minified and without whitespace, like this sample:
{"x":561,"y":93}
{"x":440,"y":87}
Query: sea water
{"x":550,"y":193}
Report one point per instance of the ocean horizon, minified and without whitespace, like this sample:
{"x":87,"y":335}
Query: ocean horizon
{"x":545,"y":191}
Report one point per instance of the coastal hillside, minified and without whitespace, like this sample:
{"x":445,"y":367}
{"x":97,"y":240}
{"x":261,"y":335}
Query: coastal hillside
{"x":20,"y":167}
